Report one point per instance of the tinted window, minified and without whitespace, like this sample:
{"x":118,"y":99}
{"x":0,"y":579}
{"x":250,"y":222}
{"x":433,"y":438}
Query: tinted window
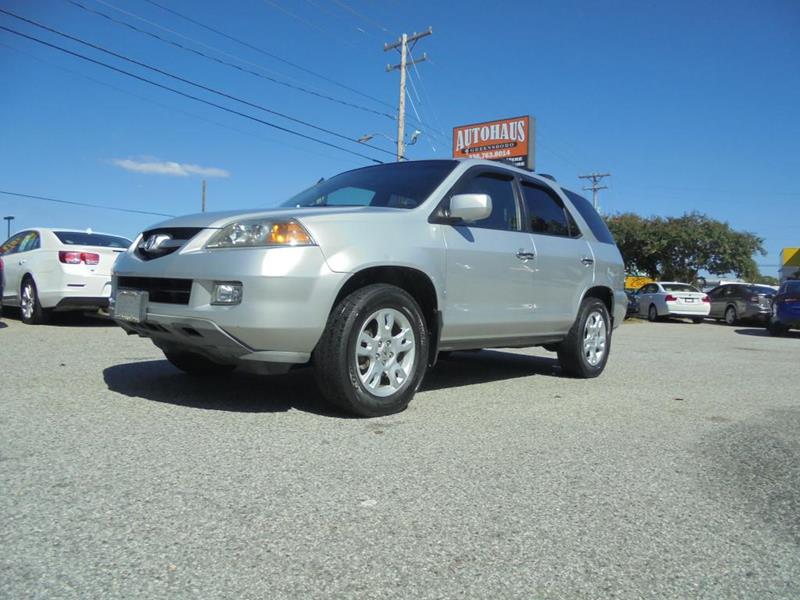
{"x":81,"y":238}
{"x":29,"y":242}
{"x":679,"y":287}
{"x":715,"y":292}
{"x":397,"y":185}
{"x":761,"y":289}
{"x":593,"y":220}
{"x":12,"y":244}
{"x":544,"y":213}
{"x":504,"y":206}
{"x":791,"y":287}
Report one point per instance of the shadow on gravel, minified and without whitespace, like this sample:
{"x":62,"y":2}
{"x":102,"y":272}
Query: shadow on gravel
{"x":3,"y":325}
{"x":762,"y":332}
{"x":754,"y":465}
{"x":159,"y":381}
{"x":67,"y":319}
{"x":486,"y":366}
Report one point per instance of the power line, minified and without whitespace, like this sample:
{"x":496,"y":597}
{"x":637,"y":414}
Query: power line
{"x":283,"y":144}
{"x":230,"y":64}
{"x":70,"y":202}
{"x":267,"y":53}
{"x":306,"y":22}
{"x":353,"y":11}
{"x":189,"y":82}
{"x":190,"y":96}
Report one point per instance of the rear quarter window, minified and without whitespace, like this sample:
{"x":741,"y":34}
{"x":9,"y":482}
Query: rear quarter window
{"x":589,"y":214}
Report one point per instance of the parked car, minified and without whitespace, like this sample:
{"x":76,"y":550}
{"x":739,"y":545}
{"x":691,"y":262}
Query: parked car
{"x":58,"y":270}
{"x":633,"y":304}
{"x":370,"y":274}
{"x":2,"y":286}
{"x":785,"y":314}
{"x":741,"y":301}
{"x":664,"y":299}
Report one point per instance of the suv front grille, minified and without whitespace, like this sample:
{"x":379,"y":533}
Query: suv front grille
{"x":160,"y":289}
{"x":160,"y":242}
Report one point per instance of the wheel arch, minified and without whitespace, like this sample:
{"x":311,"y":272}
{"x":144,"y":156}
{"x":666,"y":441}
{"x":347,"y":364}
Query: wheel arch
{"x":604,"y":294}
{"x":414,"y":281}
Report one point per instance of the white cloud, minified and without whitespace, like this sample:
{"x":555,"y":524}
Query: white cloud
{"x":175,"y":169}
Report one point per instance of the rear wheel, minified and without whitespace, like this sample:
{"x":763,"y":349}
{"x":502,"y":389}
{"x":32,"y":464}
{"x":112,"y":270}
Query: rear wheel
{"x":584,"y":352}
{"x":373,"y":354}
{"x":730,"y":315}
{"x":196,"y":364}
{"x":29,"y":306}
{"x":652,"y":313}
{"x":776,"y":329}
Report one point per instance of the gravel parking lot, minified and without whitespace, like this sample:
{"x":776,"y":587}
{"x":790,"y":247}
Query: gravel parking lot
{"x":674,"y":475}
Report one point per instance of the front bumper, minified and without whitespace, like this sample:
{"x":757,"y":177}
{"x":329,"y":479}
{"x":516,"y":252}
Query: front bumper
{"x":287,"y":296}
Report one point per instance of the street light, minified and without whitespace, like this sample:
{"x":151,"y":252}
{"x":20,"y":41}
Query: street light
{"x":368,"y":136}
{"x":8,"y":222}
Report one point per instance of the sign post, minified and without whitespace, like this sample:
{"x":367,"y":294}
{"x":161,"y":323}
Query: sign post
{"x":506,"y":140}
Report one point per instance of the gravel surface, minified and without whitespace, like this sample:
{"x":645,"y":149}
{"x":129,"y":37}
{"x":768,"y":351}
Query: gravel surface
{"x":676,"y":474}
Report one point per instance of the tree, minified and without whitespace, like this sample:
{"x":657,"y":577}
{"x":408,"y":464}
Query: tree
{"x":678,"y":248}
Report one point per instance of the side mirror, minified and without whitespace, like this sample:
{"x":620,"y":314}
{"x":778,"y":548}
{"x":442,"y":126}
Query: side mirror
{"x":470,"y":207}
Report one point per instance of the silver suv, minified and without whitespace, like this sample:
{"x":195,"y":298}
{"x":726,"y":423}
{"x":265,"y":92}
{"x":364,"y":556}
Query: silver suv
{"x":369,"y":275}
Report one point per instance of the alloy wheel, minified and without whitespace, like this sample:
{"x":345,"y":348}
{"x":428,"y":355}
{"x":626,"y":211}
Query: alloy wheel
{"x":385,"y":352}
{"x":27,"y":300}
{"x":594,"y":338}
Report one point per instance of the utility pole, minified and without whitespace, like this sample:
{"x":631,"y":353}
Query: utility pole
{"x":596,"y":179}
{"x":8,"y":223}
{"x":403,"y":44}
{"x":204,"y":195}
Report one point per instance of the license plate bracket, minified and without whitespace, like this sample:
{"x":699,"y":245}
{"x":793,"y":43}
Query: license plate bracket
{"x":131,"y":306}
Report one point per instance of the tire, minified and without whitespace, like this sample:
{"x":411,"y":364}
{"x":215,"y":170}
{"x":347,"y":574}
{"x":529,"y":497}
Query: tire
{"x":730,"y":315}
{"x":652,"y":313}
{"x":363,"y":368}
{"x":584,"y":352}
{"x":776,"y":329}
{"x":197,"y":364}
{"x":698,"y":320}
{"x":30,"y":308}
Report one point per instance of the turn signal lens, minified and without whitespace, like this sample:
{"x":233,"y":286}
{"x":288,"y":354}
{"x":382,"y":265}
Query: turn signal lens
{"x":290,"y":234}
{"x":255,"y":233}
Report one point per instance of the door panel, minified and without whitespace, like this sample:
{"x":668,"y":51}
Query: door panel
{"x":489,"y":289}
{"x":559,"y":280}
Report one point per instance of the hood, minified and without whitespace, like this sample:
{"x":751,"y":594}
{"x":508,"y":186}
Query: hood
{"x":217,"y":220}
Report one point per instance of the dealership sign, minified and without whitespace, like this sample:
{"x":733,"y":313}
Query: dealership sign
{"x":507,"y":140}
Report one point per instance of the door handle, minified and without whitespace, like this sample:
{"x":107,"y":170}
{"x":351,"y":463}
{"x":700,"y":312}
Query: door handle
{"x":523,"y":255}
{"x":587,"y":261}
{"x":22,"y":262}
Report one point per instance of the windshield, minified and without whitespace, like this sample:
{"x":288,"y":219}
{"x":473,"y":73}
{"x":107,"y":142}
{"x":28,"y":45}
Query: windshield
{"x":394,"y":185}
{"x":679,"y":287}
{"x":81,"y":238}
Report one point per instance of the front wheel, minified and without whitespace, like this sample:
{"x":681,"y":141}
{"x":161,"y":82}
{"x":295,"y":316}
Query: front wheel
{"x":373,"y":354}
{"x":584,"y":352}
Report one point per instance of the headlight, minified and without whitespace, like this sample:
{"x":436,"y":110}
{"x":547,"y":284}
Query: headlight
{"x":261,"y":232}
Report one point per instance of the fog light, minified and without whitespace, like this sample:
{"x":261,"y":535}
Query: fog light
{"x":227,"y":293}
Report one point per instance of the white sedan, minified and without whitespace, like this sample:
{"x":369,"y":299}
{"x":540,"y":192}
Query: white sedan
{"x":666,"y":299}
{"x":58,"y":270}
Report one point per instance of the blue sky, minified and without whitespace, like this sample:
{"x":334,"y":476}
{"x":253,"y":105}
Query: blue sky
{"x":691,"y":106}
